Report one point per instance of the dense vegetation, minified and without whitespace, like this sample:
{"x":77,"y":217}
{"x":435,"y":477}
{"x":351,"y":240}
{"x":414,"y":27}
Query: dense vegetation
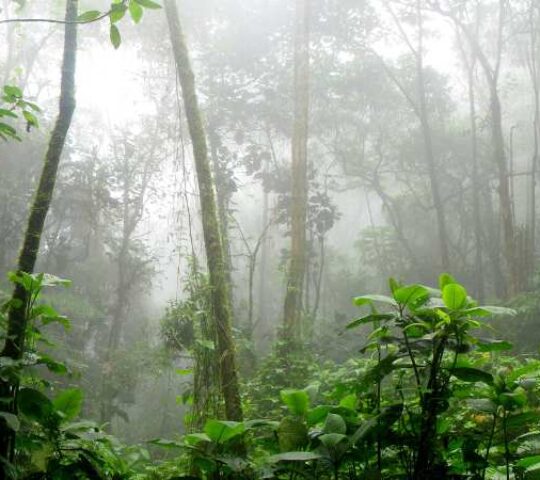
{"x":218,"y":189}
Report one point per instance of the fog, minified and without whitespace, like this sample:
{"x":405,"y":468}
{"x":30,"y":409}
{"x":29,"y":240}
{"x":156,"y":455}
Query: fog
{"x":217,"y":213}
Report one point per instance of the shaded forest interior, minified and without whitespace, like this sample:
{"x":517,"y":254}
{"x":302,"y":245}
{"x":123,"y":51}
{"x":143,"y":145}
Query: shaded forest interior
{"x":269,"y":239}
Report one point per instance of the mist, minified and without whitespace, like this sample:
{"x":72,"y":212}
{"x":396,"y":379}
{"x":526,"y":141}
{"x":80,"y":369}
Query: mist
{"x":269,"y":239}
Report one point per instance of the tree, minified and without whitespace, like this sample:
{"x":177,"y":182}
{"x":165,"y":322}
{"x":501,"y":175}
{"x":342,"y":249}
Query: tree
{"x":492,"y":69}
{"x":17,"y":321}
{"x":298,"y":206}
{"x":210,"y":223}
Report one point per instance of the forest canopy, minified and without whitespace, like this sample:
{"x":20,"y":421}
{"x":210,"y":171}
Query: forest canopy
{"x":269,"y":239}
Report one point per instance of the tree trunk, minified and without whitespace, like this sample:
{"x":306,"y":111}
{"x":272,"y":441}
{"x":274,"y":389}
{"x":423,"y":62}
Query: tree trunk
{"x":428,"y":146}
{"x":293,"y":297}
{"x":17,"y":321}
{"x":533,"y":70}
{"x":210,"y":223}
{"x":223,"y":203}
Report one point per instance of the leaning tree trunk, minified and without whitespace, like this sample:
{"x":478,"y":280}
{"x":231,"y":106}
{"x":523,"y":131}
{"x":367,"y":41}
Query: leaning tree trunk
{"x":212,"y":239}
{"x":297,"y":267}
{"x":17,"y":321}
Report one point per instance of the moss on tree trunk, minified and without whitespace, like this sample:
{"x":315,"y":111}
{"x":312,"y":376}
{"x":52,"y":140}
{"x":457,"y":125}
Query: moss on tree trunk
{"x":210,"y":223}
{"x":17,"y":321}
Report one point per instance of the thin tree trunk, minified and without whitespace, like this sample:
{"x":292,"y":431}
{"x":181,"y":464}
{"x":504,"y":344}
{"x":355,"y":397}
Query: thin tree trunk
{"x":17,"y":321}
{"x":428,"y":146}
{"x":297,"y":267}
{"x":470,"y":65}
{"x":210,"y":223}
{"x":533,"y":70}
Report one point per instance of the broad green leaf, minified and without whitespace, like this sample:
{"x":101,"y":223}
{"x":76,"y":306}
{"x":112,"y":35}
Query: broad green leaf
{"x":487,"y":310}
{"x":165,"y":443}
{"x":292,"y":434}
{"x":369,"y":299}
{"x":317,"y":414}
{"x":493,"y":345}
{"x":374,"y":317}
{"x":331,"y":440}
{"x":34,"y":405}
{"x":296,"y":400}
{"x":195,"y":438}
{"x":221,"y":431}
{"x":294,"y":457}
{"x":69,"y":403}
{"x":48,"y":280}
{"x":410,"y":295}
{"x":445,"y":279}
{"x":350,"y":401}
{"x":472,"y":375}
{"x":334,"y":424}
{"x":454,"y":296}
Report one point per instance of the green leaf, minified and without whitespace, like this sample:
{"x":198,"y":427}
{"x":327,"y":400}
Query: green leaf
{"x":334,"y":424}
{"x":411,"y":295}
{"x":488,"y":310}
{"x":136,"y":11}
{"x":374,"y":317}
{"x":221,"y":431}
{"x":30,"y":118}
{"x":296,"y":400}
{"x":484,"y":405}
{"x":118,"y":10}
{"x":89,"y":16}
{"x":294,"y":457}
{"x":317,"y":414}
{"x":349,"y":401}
{"x":331,"y":440}
{"x":7,"y":113}
{"x":148,"y":4}
{"x":116,"y":39}
{"x":445,"y":279}
{"x":493,"y":345}
{"x":454,"y":296}
{"x":69,"y":403}
{"x":369,"y":299}
{"x":34,"y":405}
{"x":13,"y":91}
{"x":292,"y":434}
{"x":472,"y":375}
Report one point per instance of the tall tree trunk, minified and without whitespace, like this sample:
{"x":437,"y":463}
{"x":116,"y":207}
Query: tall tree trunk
{"x":428,"y":145}
{"x":534,"y":24}
{"x":470,"y":66}
{"x":223,"y":202}
{"x":17,"y":321}
{"x":210,"y":223}
{"x":120,"y":306}
{"x":295,"y":282}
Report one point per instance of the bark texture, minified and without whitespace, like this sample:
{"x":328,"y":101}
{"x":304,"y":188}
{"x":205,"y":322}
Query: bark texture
{"x":17,"y":321}
{"x":297,"y":267}
{"x":211,"y":229}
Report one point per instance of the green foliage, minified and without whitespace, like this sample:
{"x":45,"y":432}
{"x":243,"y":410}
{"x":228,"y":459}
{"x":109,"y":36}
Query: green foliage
{"x":12,"y":105}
